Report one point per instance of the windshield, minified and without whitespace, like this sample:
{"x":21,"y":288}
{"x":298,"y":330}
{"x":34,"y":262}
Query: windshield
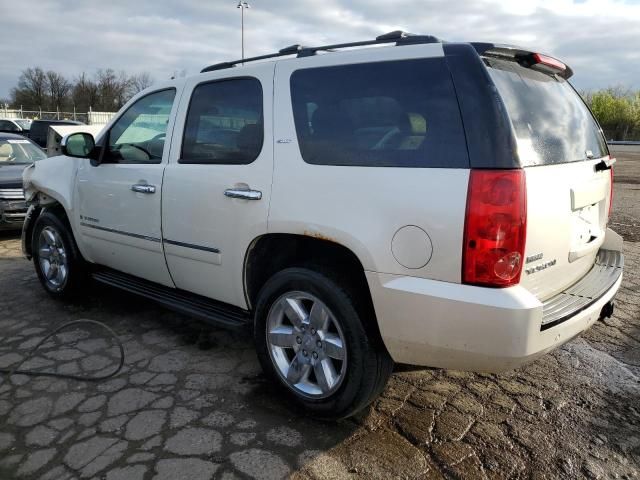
{"x":551,"y":122}
{"x":24,"y":124}
{"x":18,"y":151}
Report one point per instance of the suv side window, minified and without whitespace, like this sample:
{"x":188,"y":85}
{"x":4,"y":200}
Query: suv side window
{"x":138,"y":136}
{"x":224,"y":123}
{"x":383,"y":114}
{"x":7,"y":126}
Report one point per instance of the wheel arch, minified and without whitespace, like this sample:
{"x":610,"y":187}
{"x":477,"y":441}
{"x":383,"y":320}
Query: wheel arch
{"x":273,"y":252}
{"x":35,"y":210}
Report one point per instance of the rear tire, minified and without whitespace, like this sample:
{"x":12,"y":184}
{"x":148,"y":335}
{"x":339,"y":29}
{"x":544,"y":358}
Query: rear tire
{"x":311,"y":340}
{"x":57,"y":260}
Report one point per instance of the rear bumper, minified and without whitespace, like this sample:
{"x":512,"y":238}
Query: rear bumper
{"x":565,"y":305}
{"x":438,"y":324}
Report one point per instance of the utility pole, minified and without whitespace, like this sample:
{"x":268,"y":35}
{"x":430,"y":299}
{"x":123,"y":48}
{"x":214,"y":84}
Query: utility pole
{"x":242,"y":6}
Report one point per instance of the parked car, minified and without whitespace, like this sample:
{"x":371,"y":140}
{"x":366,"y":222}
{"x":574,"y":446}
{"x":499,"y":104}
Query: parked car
{"x":16,"y":152}
{"x":430,"y":203}
{"x":40,"y":130}
{"x":14,"y":125}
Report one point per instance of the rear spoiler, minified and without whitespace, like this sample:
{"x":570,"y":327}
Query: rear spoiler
{"x":526,"y":58}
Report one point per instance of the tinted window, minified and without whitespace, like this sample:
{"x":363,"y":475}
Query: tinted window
{"x":24,"y":124}
{"x":385,"y":114}
{"x":224,"y":123}
{"x":138,"y":136}
{"x":8,"y":126}
{"x":550,"y":120}
{"x":40,"y":129}
{"x":38,"y":133}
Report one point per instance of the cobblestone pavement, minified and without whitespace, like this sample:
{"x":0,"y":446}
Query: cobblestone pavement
{"x":191,"y":402}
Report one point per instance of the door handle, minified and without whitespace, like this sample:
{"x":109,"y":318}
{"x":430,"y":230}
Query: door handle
{"x":243,"y":194}
{"x":143,"y":188}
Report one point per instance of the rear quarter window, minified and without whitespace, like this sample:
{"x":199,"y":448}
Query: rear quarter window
{"x":384,"y":114}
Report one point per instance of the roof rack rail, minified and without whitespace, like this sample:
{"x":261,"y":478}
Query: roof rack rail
{"x":398,"y":37}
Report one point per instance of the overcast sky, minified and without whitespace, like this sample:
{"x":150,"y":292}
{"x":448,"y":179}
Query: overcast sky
{"x":600,"y":39}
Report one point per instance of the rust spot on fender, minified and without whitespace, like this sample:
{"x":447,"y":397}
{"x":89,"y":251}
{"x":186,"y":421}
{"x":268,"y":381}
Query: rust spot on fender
{"x":319,"y":236}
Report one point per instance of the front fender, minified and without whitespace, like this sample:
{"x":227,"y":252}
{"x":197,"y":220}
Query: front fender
{"x":27,"y":230}
{"x":51,"y":181}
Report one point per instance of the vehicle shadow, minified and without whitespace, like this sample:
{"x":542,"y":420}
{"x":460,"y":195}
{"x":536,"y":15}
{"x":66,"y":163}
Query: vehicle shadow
{"x":10,"y":235}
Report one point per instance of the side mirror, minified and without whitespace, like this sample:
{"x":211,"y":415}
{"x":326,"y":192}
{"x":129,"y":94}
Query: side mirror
{"x":79,"y":145}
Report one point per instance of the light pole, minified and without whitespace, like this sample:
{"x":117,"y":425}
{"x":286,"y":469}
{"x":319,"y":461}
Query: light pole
{"x":242,"y":6}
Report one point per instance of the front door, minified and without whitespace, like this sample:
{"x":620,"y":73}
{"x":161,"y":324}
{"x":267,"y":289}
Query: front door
{"x":119,"y":199}
{"x":215,"y":196}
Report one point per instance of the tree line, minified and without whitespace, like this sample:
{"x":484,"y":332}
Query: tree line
{"x":106,"y":90}
{"x":617,"y":111}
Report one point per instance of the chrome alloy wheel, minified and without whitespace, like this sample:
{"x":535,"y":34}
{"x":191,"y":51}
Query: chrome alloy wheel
{"x":306,"y":345}
{"x":53,"y":258}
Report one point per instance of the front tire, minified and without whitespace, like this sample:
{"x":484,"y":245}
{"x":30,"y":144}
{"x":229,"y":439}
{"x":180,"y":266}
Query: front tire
{"x":58,"y":263}
{"x":310,"y":338}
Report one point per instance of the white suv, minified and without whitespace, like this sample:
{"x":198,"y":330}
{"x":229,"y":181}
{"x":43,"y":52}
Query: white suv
{"x":440,"y":204}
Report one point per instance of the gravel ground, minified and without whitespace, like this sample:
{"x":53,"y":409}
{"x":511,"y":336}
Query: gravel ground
{"x":191,"y":402}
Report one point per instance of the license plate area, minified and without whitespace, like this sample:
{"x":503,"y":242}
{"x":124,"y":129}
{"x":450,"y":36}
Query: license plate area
{"x":586,"y":226}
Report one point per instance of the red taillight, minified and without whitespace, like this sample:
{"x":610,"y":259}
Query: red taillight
{"x":495,"y":228}
{"x":547,"y":61}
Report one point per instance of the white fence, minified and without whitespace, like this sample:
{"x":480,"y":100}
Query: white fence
{"x":99,"y":118}
{"x":6,"y":113}
{"x":90,"y":117}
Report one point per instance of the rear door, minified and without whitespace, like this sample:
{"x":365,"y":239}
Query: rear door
{"x":559,"y":145}
{"x":217,"y":186}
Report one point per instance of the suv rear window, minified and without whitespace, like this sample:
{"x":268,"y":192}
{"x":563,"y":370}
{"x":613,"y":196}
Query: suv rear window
{"x":384,"y":114}
{"x":551,"y":122}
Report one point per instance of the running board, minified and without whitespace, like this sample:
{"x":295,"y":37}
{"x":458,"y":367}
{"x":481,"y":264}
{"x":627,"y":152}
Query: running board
{"x":202,"y":308}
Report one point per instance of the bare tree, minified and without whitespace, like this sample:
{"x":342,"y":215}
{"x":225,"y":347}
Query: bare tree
{"x":59,"y":89}
{"x":85,"y":93}
{"x":124,"y":89}
{"x":32,"y":89}
{"x":113,"y":89}
{"x":139,"y":82}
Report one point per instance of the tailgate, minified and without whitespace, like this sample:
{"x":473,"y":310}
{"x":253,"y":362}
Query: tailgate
{"x":567,"y":208}
{"x":559,"y":146}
